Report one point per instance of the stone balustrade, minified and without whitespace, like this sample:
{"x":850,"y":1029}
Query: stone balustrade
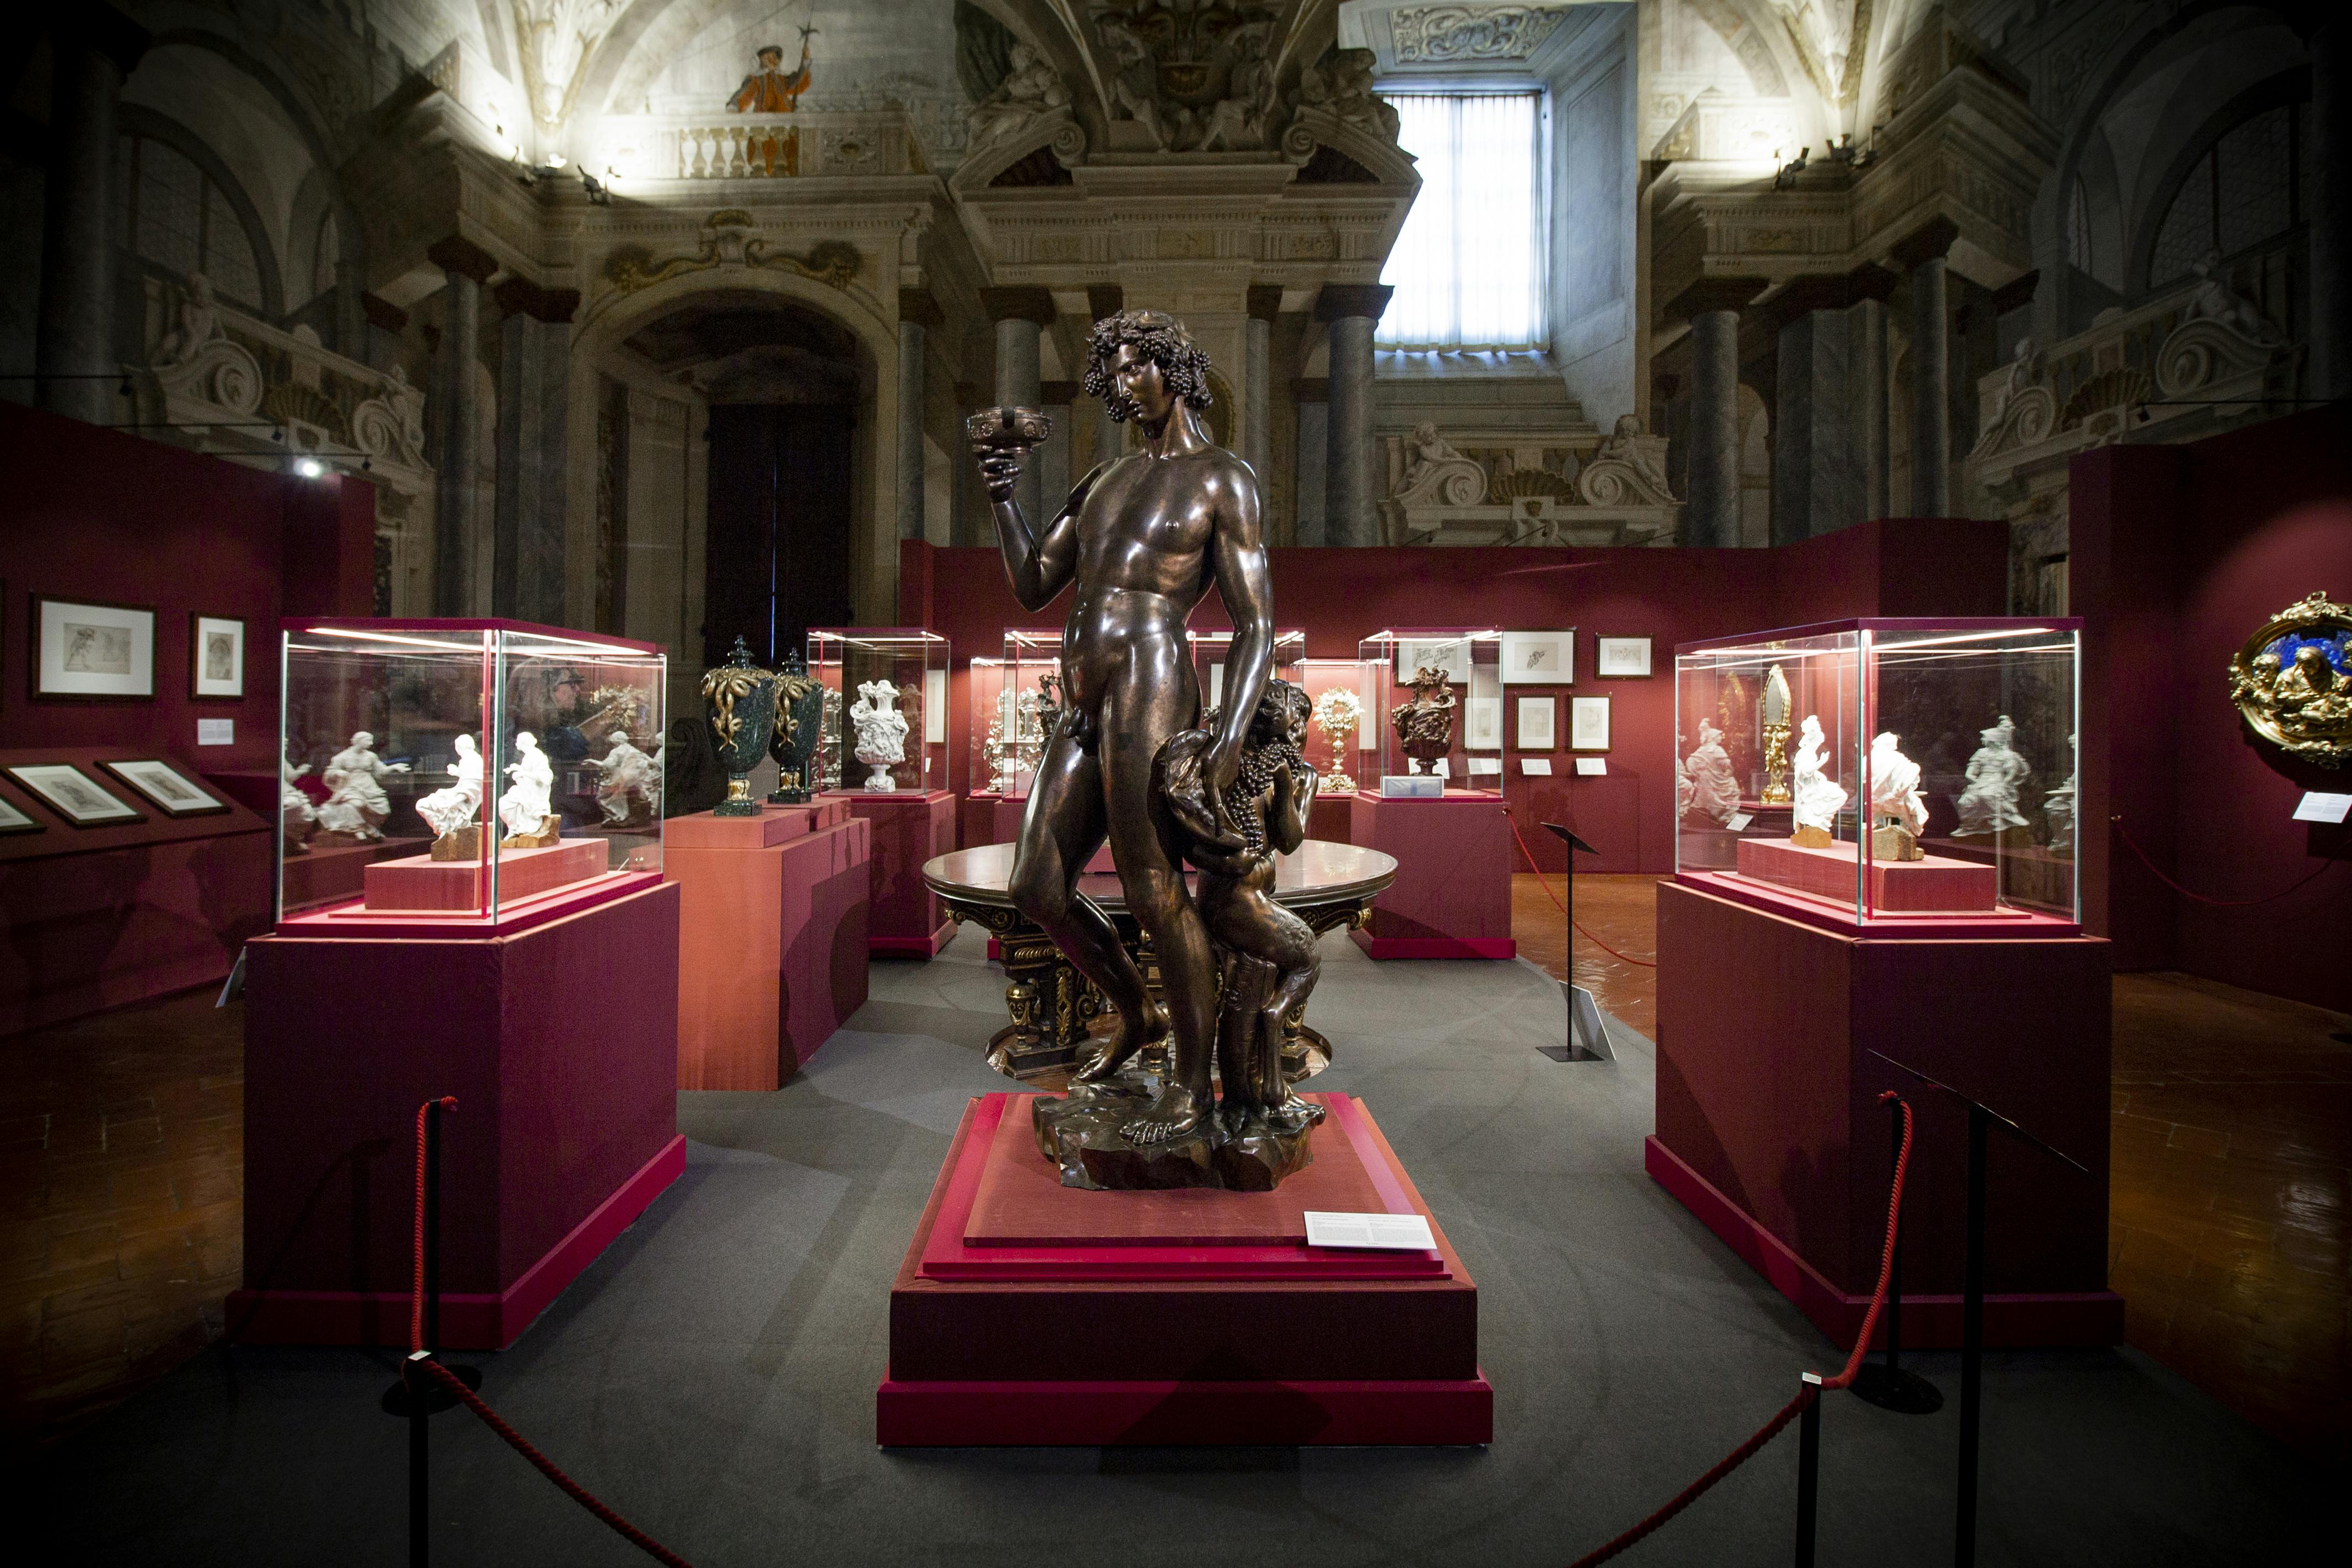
{"x":799,"y":145}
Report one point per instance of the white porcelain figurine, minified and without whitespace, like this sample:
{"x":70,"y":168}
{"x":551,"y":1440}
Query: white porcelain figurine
{"x":453,"y":806}
{"x":881,"y":732}
{"x":1996,"y":774}
{"x":1898,"y":811}
{"x":296,"y":815}
{"x":356,"y":805}
{"x":1714,"y":792}
{"x":1817,"y":798}
{"x":624,"y":772}
{"x":523,"y":808}
{"x":2058,"y":805}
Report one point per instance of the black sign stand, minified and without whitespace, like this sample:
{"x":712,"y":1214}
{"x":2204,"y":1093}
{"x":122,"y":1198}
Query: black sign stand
{"x":1587,"y":1038}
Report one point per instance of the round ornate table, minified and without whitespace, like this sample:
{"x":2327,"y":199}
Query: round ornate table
{"x":1325,"y":884}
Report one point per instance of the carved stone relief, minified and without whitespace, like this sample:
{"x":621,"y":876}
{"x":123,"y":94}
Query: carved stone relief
{"x":1434,"y":34}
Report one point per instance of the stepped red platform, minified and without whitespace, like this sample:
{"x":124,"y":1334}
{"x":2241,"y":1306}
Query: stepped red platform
{"x":421,"y":882}
{"x":1934,"y":882}
{"x":1206,"y":1318}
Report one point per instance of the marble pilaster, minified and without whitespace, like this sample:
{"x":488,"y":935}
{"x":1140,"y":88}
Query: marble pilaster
{"x":457,"y":527}
{"x":93,"y":48}
{"x":1350,"y":313}
{"x":917,"y":313}
{"x":526,"y":574}
{"x":1922,"y":253}
{"x":1712,"y":306}
{"x":1021,"y":315}
{"x":1257,"y":381}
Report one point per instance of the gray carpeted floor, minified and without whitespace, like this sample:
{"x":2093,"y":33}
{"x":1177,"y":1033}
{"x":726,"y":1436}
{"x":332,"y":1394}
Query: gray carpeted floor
{"x":712,"y":1375}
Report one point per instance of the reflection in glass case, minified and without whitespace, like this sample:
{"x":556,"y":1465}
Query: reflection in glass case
{"x":1211,"y":648}
{"x":1343,"y":732}
{"x":1913,"y":769}
{"x":1435,"y":695}
{"x":1014,"y":701}
{"x":464,"y":770}
{"x":885,"y":708}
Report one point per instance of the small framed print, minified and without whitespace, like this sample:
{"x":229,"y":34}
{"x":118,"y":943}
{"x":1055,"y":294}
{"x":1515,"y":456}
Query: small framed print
{"x":15,"y":821}
{"x":89,"y":650}
{"x":216,"y":656}
{"x":1621,"y":658}
{"x":1588,"y":723}
{"x":168,"y":787}
{"x":1451,"y":655}
{"x":1482,"y":724}
{"x":74,"y":795}
{"x":1540,"y":658}
{"x":1535,"y":732}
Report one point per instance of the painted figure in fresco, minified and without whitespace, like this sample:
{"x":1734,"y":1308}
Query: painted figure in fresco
{"x":769,"y":91}
{"x":1142,"y":539}
{"x":1271,"y":962}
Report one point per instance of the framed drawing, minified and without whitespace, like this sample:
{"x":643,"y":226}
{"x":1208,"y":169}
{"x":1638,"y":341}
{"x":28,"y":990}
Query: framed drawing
{"x":1450,"y":654}
{"x":84,"y":649}
{"x":15,"y":821}
{"x":1540,"y":658}
{"x":74,"y":795}
{"x":1535,"y":724}
{"x":1481,"y":723}
{"x":1621,"y":658}
{"x":1588,"y":723}
{"x":168,"y":787}
{"x":216,"y":656}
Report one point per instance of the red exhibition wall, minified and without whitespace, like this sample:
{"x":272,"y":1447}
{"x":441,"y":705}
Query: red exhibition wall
{"x":88,"y":513}
{"x":2178,"y":555}
{"x":1892,"y":567}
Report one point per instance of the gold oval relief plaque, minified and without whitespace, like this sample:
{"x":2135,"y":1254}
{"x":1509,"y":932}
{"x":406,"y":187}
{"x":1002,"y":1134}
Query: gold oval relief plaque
{"x":2293,"y":681}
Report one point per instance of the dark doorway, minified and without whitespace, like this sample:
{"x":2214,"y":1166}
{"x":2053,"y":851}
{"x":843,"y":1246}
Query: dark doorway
{"x":777,"y":559}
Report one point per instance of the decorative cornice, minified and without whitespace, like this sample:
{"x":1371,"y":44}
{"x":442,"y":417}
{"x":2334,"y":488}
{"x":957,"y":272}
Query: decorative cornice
{"x":1338,"y":299}
{"x":919,"y":306}
{"x":1023,"y":302}
{"x":521,"y":297}
{"x":1931,"y":241}
{"x":456,"y":253}
{"x":1265,"y":301}
{"x":1713,"y":294}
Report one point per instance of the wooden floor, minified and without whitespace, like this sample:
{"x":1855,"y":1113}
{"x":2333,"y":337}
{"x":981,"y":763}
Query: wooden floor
{"x":121,"y":1165}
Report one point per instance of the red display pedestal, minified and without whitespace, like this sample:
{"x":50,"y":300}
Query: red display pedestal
{"x":1932,"y":883}
{"x":1205,"y":1317}
{"x":1452,"y":895}
{"x":560,"y":1042}
{"x":1332,"y":819}
{"x":906,"y":918}
{"x":1770,"y":1128}
{"x":771,"y":938}
{"x":991,"y":820}
{"x":421,"y":882}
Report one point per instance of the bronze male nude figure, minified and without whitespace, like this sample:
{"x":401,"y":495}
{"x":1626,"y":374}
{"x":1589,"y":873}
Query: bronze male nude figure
{"x":1142,"y":537}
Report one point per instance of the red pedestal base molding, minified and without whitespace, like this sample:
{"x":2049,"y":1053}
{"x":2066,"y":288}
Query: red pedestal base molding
{"x":1174,"y":1413}
{"x":1935,"y":882}
{"x":469,"y":1321}
{"x":1929,"y":1322}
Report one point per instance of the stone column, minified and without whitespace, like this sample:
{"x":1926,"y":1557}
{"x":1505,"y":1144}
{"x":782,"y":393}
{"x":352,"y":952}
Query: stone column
{"x":1711,"y":506}
{"x":917,"y":313}
{"x":1351,"y":484}
{"x":94,"y":48}
{"x":2331,"y":210}
{"x":527,"y":571}
{"x":1922,"y":255}
{"x":1314,"y":400}
{"x":1865,"y":384}
{"x":1257,"y":381}
{"x":1108,"y":436}
{"x":1020,"y":316}
{"x":1823,"y":438}
{"x":456,"y":526}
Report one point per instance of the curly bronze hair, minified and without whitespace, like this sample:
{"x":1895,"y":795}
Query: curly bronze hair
{"x":1162,"y":339}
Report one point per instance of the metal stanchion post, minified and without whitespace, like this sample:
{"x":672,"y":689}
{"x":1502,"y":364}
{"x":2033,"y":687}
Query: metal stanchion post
{"x":1964,"y":1544}
{"x":1886,"y":1384}
{"x":1808,"y":1473}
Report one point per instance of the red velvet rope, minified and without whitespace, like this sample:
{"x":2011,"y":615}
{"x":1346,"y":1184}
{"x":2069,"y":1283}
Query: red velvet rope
{"x":1805,"y":1394}
{"x":2201,"y":898}
{"x":479,"y":1407}
{"x":1529,"y":854}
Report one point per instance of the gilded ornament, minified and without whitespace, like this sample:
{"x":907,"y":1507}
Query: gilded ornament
{"x":2292,"y":680}
{"x":1773,"y":713}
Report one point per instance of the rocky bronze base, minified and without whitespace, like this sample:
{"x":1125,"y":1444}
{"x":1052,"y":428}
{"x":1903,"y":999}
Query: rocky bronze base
{"x":1081,"y":1134}
{"x":459,"y":844}
{"x":548,"y":832}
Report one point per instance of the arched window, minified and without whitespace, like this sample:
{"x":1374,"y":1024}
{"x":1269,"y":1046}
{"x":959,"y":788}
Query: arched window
{"x":175,"y":216}
{"x":1468,"y":268}
{"x":2247,"y":188}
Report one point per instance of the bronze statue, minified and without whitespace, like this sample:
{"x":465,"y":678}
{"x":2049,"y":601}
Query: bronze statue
{"x":1142,"y":538}
{"x":1424,"y":726}
{"x":1271,"y":963}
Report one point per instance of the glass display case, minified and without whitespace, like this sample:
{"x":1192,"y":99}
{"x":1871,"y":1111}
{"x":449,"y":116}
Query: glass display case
{"x":1905,"y":770}
{"x":1443,"y":734}
{"x":1013,"y":699}
{"x":462,"y":769}
{"x":1345,"y":727}
{"x":1211,"y":648}
{"x":886,"y":709}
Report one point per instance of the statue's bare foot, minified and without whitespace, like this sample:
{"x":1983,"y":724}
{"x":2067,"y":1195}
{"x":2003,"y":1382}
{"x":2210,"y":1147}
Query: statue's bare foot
{"x":1130,"y":1037}
{"x":1174,"y":1114}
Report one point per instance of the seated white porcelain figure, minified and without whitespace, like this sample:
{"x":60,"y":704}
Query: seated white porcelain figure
{"x":1894,"y":798}
{"x":1817,"y":798}
{"x":356,"y":805}
{"x":625,"y":772}
{"x":453,"y":806}
{"x":1714,"y":791}
{"x":1996,"y":774}
{"x":523,"y":808}
{"x":881,"y":732}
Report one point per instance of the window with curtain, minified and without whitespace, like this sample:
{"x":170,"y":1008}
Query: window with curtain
{"x":1468,"y":269}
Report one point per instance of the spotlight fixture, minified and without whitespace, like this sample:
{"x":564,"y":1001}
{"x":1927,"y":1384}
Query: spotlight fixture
{"x":308,"y":467}
{"x":1786,"y":180}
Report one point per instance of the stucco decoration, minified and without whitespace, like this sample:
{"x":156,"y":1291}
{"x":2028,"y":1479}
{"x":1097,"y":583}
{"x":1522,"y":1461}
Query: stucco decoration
{"x":1438,"y":34}
{"x":729,"y":240}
